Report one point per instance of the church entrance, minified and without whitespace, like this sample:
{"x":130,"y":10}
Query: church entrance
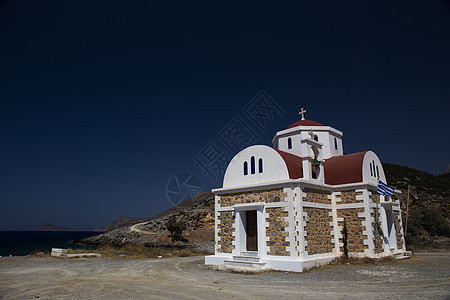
{"x":251,"y":229}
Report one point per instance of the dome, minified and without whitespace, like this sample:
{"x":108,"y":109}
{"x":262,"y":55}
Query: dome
{"x":304,"y":123}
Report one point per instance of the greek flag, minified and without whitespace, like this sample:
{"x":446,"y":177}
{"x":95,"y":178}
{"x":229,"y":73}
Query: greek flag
{"x":383,"y":189}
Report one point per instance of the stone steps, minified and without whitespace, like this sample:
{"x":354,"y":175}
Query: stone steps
{"x":403,"y":255}
{"x":245,"y":264}
{"x":247,"y":259}
{"x":249,"y":253}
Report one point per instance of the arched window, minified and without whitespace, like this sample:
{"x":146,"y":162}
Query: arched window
{"x":245,"y":168}
{"x":371,"y":170}
{"x":260,"y":165}
{"x":316,"y":138}
{"x":378,"y":173}
{"x":252,"y":165}
{"x":335,"y":143}
{"x":289,"y":143}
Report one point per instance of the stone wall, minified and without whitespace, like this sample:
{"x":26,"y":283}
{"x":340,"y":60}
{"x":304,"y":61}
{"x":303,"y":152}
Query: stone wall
{"x":378,"y":234}
{"x":318,"y":230}
{"x":348,"y":197}
{"x":316,"y":196}
{"x":276,"y":232}
{"x":355,"y":229}
{"x":267,"y":196}
{"x":226,"y":230}
{"x":398,"y":229}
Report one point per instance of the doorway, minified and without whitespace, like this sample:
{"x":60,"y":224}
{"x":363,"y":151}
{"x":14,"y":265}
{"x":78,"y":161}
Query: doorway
{"x":251,"y":230}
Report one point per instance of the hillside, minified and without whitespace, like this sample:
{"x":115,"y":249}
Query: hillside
{"x":197,"y":213}
{"x":429,"y":205}
{"x":426,"y":190}
{"x":121,"y":222}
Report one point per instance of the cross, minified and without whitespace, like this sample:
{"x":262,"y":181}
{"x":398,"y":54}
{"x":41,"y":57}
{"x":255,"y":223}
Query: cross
{"x":302,"y":112}
{"x":311,"y":134}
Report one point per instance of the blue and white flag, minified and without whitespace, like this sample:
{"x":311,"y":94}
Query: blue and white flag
{"x":383,"y":189}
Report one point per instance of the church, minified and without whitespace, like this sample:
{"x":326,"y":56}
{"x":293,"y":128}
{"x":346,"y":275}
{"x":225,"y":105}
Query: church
{"x":284,"y":207}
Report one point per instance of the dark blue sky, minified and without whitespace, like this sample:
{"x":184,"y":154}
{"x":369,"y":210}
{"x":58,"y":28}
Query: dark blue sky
{"x":103,"y":102}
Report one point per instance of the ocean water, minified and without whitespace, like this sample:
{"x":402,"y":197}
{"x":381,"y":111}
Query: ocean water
{"x":18,"y":243}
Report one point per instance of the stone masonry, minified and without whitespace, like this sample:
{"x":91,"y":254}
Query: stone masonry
{"x":378,"y":234}
{"x":348,"y":197}
{"x":318,"y":230}
{"x":316,"y":196}
{"x":354,"y":227}
{"x":267,"y":196}
{"x":276,"y":232}
{"x":397,"y":229}
{"x":226,"y":229}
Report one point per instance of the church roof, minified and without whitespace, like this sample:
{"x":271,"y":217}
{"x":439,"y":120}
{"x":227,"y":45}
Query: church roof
{"x":344,"y":168}
{"x":304,"y":123}
{"x":293,"y":163}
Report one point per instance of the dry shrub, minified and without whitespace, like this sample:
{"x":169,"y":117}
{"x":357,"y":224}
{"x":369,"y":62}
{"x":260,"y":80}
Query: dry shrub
{"x":138,"y":251}
{"x":362,"y":260}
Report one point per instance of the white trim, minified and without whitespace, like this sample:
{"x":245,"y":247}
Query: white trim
{"x":288,"y":131}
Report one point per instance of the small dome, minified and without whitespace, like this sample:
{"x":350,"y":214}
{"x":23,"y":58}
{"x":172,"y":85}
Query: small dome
{"x":304,"y":123}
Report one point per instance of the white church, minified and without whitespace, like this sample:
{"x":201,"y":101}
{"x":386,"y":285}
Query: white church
{"x":284,"y":207}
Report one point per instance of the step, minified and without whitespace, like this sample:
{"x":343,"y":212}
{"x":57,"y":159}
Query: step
{"x":246,"y":258}
{"x":249,"y":253}
{"x":402,"y":255}
{"x":245,"y":264}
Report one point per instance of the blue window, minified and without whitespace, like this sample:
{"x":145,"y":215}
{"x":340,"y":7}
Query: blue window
{"x":252,"y":164}
{"x":289,"y":143}
{"x":260,"y":164}
{"x":245,"y":168}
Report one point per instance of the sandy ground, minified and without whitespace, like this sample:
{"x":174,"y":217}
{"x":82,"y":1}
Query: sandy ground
{"x":427,"y":276}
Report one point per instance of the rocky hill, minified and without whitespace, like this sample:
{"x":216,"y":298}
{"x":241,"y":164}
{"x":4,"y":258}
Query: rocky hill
{"x":426,"y":190}
{"x":197,"y":213}
{"x":121,"y":222}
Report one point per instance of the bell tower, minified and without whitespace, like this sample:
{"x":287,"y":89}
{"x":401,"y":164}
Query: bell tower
{"x":306,"y":138}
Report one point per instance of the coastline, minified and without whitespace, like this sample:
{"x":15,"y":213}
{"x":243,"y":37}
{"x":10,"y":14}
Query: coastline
{"x":20,"y":243}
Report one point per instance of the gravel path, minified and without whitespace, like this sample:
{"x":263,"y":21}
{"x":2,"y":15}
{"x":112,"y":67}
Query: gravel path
{"x":427,"y":276}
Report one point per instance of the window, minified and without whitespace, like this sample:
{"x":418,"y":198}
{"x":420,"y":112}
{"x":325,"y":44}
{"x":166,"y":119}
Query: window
{"x":373,"y":164}
{"x":316,"y":138}
{"x":252,"y":165}
{"x":260,"y":164}
{"x":378,"y":173}
{"x":245,"y":168}
{"x":289,"y":143}
{"x":335,"y":143}
{"x":371,"y":170}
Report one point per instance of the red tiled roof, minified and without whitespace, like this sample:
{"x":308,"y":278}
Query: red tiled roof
{"x":344,"y":168}
{"x":304,"y":123}
{"x":293,"y":163}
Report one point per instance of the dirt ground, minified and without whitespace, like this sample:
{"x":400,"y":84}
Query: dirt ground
{"x":427,"y":276}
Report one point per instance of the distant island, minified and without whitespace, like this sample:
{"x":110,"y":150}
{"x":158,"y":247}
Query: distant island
{"x":51,"y":227}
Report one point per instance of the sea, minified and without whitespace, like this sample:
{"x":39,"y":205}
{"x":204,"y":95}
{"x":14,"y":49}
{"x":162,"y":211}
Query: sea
{"x":19,"y":243}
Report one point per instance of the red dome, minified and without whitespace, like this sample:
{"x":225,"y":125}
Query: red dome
{"x":304,"y":123}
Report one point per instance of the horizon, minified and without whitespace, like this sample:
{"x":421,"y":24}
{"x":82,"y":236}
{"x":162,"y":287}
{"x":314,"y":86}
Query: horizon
{"x":115,"y":109}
